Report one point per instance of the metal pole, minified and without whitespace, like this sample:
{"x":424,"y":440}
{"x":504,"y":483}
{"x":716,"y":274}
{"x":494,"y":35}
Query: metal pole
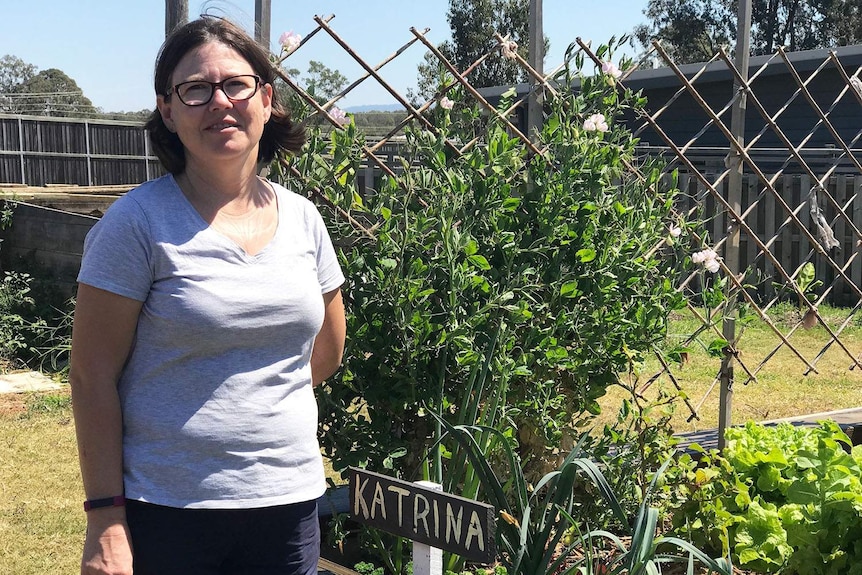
{"x":536,"y":57}
{"x":176,"y":14}
{"x":262,"y":19}
{"x":734,"y":200}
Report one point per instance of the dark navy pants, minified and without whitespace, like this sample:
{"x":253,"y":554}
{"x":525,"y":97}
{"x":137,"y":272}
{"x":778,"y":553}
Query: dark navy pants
{"x":282,"y":540}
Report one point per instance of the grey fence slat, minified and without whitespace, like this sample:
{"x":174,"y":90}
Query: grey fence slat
{"x":800,"y":194}
{"x":749,"y":196}
{"x":842,"y":195}
{"x":771,"y":222}
{"x":788,"y":231}
{"x":856,"y":214}
{"x":715,"y":230}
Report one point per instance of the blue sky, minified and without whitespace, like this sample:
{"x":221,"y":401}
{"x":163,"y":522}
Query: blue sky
{"x":108,"y":47}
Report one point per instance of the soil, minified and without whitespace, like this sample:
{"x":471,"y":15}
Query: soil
{"x":12,"y":404}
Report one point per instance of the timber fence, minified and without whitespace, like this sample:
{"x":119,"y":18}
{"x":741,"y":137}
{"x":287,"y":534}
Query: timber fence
{"x":41,"y":151}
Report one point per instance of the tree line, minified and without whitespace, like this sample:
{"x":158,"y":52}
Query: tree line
{"x":689,"y":30}
{"x":694,"y":30}
{"x":26,"y":90}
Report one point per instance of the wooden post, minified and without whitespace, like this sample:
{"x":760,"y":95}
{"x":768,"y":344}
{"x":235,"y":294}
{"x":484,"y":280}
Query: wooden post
{"x":536,"y":56}
{"x":176,"y":14}
{"x":734,"y":199}
{"x":262,"y":20}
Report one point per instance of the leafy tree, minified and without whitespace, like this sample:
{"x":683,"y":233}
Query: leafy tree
{"x":689,"y":30}
{"x":473,"y":24}
{"x":13,"y":72}
{"x":50,"y":93}
{"x":322,"y":82}
{"x":846,"y":22}
{"x":693,"y":30}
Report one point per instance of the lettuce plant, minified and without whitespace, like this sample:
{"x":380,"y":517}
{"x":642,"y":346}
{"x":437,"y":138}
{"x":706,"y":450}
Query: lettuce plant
{"x":780,"y":499}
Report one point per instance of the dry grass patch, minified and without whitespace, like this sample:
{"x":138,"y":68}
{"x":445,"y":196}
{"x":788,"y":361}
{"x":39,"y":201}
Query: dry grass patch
{"x":781,"y":387}
{"x":41,"y":520}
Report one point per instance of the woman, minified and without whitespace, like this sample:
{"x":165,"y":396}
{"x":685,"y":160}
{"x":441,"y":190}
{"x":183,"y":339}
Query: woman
{"x":208,"y":307}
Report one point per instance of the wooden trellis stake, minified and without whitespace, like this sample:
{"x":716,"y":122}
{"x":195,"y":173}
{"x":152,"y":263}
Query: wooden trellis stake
{"x":734,"y":199}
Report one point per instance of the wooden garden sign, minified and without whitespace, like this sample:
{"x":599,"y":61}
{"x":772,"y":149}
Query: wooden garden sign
{"x":425,"y":515}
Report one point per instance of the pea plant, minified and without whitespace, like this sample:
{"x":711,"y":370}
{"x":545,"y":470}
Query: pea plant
{"x":490,"y":284}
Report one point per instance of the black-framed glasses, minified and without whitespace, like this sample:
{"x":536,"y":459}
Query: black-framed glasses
{"x":200,"y":92}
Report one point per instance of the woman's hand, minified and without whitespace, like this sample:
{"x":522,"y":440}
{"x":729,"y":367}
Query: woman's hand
{"x":108,"y":546}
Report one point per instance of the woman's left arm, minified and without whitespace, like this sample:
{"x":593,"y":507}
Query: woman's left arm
{"x":329,"y":343}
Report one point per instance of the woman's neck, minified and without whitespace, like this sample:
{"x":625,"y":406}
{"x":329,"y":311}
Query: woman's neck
{"x":233,"y":192}
{"x":244,"y":210}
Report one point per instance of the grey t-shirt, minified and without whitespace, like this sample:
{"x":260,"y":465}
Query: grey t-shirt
{"x":218,"y":407}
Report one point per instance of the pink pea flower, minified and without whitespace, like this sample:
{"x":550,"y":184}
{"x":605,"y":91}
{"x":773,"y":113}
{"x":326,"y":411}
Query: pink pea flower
{"x":446,"y":103}
{"x":596,"y":123}
{"x":340,"y":116}
{"x":708,"y":258}
{"x":611,"y":70}
{"x":289,"y":41}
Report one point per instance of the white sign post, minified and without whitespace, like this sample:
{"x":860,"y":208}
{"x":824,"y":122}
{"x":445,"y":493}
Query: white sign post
{"x":427,"y":560}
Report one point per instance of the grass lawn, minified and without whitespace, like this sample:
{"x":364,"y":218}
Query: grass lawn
{"x":781,"y":387}
{"x":41,"y":519}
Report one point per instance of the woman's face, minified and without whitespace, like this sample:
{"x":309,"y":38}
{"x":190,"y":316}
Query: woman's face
{"x":221,"y":129}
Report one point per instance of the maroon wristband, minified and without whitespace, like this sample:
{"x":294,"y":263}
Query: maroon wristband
{"x":117,"y":501}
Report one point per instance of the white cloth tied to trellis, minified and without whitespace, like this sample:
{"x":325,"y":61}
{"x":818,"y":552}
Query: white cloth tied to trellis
{"x":824,"y":233}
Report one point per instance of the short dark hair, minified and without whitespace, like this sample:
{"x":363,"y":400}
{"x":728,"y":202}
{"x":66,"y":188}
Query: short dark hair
{"x":280,"y":134}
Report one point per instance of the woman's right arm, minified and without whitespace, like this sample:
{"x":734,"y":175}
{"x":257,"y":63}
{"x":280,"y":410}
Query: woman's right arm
{"x":102,"y":335}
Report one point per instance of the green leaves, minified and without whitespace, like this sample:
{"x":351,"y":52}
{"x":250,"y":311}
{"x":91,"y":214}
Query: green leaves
{"x":480,"y":262}
{"x":586,"y":255}
{"x":761,"y":542}
{"x":717,"y":347}
{"x":788,"y":498}
{"x":570,"y":290}
{"x":491,"y":284}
